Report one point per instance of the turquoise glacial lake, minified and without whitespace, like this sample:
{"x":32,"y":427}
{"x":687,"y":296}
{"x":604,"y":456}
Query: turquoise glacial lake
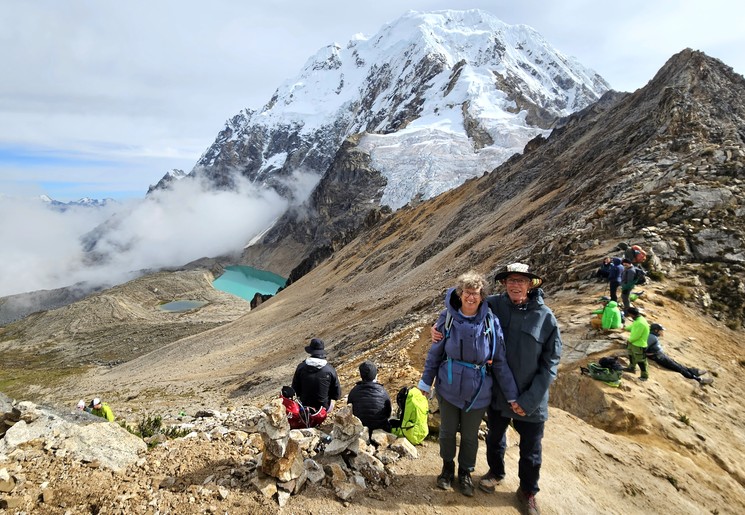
{"x":246,"y":281}
{"x":179,"y":306}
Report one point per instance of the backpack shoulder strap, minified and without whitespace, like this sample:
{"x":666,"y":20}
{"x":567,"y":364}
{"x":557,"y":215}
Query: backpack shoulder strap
{"x":492,"y":333}
{"x":448,"y":324}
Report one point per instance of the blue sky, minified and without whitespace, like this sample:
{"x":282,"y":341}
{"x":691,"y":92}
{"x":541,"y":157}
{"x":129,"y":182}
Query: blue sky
{"x":101,"y":99}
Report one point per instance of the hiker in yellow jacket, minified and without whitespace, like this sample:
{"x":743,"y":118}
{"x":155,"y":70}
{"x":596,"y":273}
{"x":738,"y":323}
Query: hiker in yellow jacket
{"x":101,"y":409}
{"x":637,"y":343}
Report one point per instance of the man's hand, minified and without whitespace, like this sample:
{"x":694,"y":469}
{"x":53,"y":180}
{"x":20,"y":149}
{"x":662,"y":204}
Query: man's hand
{"x":436,"y":335}
{"x":517,"y":409}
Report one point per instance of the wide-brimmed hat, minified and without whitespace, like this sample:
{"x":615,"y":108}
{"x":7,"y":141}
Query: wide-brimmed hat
{"x":519,"y":268}
{"x":315,"y":349}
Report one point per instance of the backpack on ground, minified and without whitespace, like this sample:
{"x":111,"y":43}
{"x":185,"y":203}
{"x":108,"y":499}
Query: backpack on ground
{"x":640,"y":276}
{"x":413,"y":409}
{"x":298,"y":415}
{"x":610,"y":375}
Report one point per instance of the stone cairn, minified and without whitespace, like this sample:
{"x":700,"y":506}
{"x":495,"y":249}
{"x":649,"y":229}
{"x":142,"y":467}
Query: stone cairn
{"x":342,"y":460}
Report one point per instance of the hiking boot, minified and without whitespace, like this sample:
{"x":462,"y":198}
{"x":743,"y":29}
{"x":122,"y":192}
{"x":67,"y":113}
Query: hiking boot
{"x":705,"y":380}
{"x":489,"y":481}
{"x":528,"y":502}
{"x":698,"y":372}
{"x":644,"y":378}
{"x":465,"y":483}
{"x":445,"y":479}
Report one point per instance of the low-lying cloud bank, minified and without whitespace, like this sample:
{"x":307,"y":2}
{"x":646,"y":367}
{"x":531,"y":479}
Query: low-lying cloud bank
{"x":45,"y":248}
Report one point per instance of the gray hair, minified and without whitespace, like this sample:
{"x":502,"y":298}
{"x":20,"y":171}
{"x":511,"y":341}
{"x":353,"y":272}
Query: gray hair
{"x":471,"y":280}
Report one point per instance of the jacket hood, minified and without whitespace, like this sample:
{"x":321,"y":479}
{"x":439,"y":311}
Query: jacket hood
{"x":316,"y":362}
{"x":616,"y":261}
{"x":612,"y":304}
{"x":536,"y":296}
{"x":453,"y":304}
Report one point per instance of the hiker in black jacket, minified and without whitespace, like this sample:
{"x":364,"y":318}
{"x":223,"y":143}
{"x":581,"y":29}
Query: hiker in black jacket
{"x":315,"y":381}
{"x":370,"y":402}
{"x":655,"y":353}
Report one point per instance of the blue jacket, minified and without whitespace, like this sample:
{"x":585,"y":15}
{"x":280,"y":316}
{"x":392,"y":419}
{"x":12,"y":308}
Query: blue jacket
{"x":616,"y":271}
{"x":458,"y":360}
{"x":533,"y":344}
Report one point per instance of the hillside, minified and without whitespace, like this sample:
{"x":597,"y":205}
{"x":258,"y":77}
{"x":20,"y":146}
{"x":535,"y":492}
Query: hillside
{"x":661,"y":167}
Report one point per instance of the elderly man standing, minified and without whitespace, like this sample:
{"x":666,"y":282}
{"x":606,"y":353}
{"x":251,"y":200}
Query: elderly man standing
{"x":533,"y":344}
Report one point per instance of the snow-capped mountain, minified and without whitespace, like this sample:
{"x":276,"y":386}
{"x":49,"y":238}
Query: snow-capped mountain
{"x":82,"y":202}
{"x":168,"y":178}
{"x":440,"y":97}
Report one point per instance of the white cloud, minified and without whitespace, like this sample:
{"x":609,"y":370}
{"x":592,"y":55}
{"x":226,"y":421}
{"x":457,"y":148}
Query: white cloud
{"x":42,"y":247}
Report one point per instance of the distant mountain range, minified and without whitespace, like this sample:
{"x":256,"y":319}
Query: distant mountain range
{"x":83,"y":202}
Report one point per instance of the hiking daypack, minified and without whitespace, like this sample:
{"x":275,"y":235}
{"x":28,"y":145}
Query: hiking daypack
{"x":413,"y":409}
{"x":298,"y":415}
{"x":609,"y":376}
{"x":640,"y":276}
{"x":639,"y":254}
{"x":633,"y":253}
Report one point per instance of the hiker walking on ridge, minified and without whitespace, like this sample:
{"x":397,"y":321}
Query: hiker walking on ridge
{"x":655,"y":353}
{"x":614,"y":278}
{"x":628,"y":280}
{"x":462,"y":363}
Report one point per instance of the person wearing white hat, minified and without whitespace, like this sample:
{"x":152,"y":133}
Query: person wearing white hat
{"x":101,"y":409}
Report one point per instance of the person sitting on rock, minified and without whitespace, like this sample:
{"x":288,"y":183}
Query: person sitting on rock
{"x":315,"y":381}
{"x":369,"y":399}
{"x":604,"y":271}
{"x":608,"y":317}
{"x":101,"y":409}
{"x":655,"y":353}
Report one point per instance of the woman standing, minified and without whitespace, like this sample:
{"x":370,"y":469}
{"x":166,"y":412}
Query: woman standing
{"x":459,"y":365}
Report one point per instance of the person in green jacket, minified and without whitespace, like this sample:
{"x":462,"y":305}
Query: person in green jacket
{"x":101,"y":409}
{"x":637,"y":343}
{"x":608,"y":317}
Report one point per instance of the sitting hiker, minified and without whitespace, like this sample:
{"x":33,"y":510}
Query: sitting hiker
{"x":604,"y":271}
{"x":370,"y":402}
{"x":637,"y":343}
{"x":656,"y":354}
{"x":101,"y":409}
{"x":315,"y":381}
{"x":608,"y":317}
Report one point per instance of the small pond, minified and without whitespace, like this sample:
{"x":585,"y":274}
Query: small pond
{"x":246,"y":281}
{"x":179,"y":306}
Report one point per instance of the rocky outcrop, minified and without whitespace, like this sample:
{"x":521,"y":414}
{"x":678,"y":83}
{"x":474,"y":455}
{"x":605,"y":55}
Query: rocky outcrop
{"x":343,"y":204}
{"x":277,"y":462}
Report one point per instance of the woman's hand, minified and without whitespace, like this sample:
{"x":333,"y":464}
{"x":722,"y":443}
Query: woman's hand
{"x":436,"y":335}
